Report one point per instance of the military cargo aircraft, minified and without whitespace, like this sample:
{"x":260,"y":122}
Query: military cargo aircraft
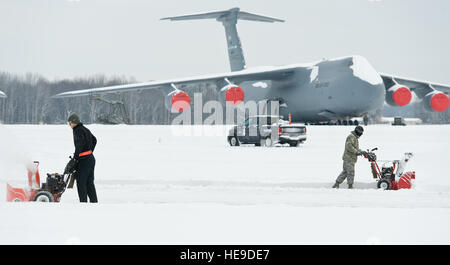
{"x":335,"y":89}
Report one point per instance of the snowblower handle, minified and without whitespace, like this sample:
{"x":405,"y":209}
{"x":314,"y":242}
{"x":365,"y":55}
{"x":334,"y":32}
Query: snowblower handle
{"x":71,"y":165}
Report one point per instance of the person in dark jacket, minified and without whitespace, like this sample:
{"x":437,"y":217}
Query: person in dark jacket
{"x":85,"y":143}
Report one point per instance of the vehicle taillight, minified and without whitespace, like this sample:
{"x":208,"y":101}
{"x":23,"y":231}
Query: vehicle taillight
{"x":280,"y":130}
{"x":305,"y":130}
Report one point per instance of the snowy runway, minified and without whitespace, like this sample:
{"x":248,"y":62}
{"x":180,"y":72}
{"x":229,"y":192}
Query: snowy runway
{"x":156,"y":186}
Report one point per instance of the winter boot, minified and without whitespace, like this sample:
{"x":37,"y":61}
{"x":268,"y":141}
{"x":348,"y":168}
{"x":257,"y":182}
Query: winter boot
{"x":336,"y":186}
{"x":350,"y":186}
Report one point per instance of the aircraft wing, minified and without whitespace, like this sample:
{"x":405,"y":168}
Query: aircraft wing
{"x":265,"y":73}
{"x":420,"y":87}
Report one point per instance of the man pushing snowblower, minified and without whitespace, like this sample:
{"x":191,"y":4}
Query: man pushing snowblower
{"x":80,"y":167}
{"x":350,"y":157}
{"x":83,"y":159}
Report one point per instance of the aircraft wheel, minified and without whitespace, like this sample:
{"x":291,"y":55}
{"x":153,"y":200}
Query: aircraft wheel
{"x":356,"y":122}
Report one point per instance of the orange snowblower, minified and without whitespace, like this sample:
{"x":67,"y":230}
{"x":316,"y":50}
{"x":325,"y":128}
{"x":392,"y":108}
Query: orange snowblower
{"x":50,"y":191}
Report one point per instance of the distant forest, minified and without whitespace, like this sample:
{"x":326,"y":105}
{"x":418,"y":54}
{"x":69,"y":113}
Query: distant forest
{"x":29,"y":101}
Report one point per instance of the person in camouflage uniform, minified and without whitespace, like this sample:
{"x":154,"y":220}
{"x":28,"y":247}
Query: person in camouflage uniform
{"x":350,"y":157}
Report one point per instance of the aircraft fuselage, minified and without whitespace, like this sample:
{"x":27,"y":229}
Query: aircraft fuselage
{"x":329,"y":90}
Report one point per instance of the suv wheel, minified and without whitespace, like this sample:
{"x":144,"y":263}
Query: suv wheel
{"x":266,"y":142}
{"x":234,"y":141}
{"x":294,"y":144}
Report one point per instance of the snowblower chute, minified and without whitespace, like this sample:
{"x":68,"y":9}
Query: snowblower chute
{"x":50,"y":191}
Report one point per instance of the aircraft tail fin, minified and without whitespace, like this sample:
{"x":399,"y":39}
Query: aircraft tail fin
{"x":252,"y":17}
{"x":210,"y":15}
{"x":229,"y":20}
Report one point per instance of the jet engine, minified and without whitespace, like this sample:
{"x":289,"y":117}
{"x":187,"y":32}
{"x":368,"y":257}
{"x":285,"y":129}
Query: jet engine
{"x":177,"y":101}
{"x":436,"y":101}
{"x":398,"y":95}
{"x":232,"y":94}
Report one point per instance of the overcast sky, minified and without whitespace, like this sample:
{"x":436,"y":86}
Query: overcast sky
{"x":69,"y":38}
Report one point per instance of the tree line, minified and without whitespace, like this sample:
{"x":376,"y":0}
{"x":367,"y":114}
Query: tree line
{"x":29,"y":101}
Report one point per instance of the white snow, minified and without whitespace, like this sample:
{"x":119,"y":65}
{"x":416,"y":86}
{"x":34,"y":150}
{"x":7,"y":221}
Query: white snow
{"x":157,"y":187}
{"x":260,"y":84}
{"x":314,"y":73}
{"x":365,"y":71}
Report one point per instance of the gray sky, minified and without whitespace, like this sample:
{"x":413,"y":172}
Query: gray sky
{"x":66,"y":39}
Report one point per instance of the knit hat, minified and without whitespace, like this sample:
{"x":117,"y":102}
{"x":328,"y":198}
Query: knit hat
{"x":359,"y":130}
{"x":74,"y":119}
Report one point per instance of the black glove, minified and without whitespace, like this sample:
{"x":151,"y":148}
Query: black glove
{"x":361,"y":153}
{"x":71,"y":166}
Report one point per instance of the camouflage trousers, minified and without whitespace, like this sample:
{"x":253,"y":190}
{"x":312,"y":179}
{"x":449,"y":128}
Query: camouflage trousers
{"x":348,"y":173}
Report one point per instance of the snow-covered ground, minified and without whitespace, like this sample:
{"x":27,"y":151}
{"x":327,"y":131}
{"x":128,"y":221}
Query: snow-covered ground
{"x":157,"y":186}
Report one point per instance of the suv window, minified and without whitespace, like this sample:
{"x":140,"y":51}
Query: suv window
{"x":267,"y":120}
{"x":249,"y":121}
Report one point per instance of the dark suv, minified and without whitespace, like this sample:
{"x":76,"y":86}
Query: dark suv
{"x":264,"y":130}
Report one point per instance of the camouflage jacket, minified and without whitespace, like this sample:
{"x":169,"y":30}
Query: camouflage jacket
{"x":351,"y":148}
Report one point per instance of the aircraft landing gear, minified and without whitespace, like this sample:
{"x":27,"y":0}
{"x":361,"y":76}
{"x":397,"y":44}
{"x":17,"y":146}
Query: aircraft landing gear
{"x":346,"y":122}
